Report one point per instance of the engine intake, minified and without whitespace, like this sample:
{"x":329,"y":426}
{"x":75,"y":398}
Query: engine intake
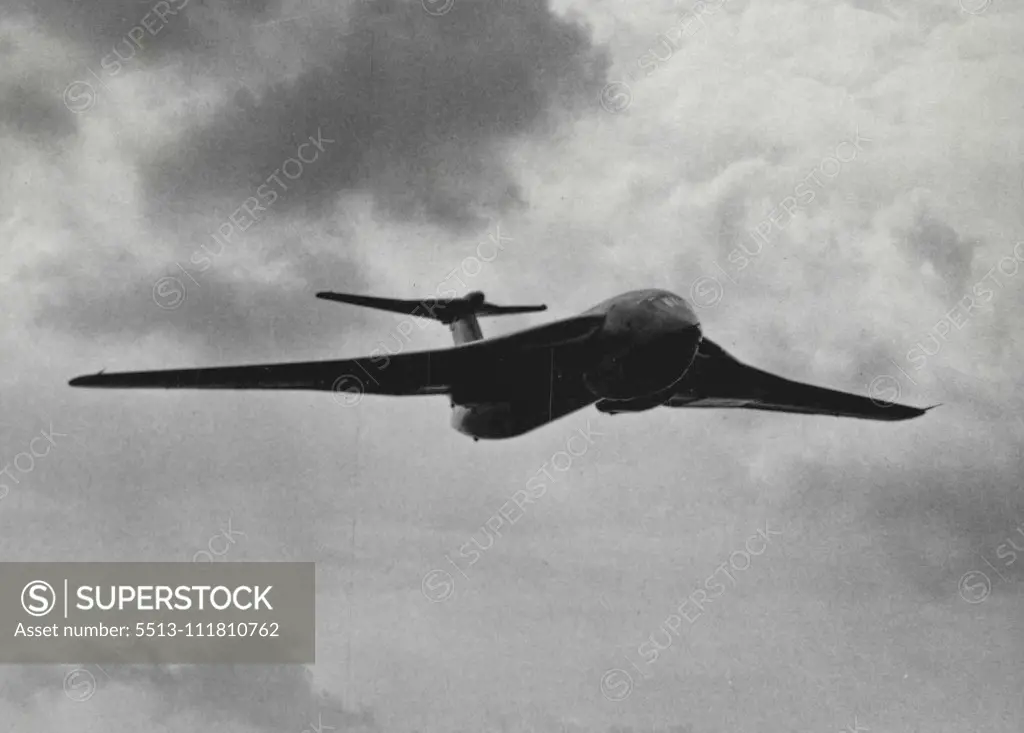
{"x":646,"y":371}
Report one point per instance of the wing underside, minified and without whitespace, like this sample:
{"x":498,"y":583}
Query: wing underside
{"x":717,"y":379}
{"x":408,"y":374}
{"x":441,"y":371}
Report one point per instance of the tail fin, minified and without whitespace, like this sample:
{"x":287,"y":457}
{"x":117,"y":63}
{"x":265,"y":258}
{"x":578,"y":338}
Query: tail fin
{"x":465,"y":330}
{"x":459,"y":314}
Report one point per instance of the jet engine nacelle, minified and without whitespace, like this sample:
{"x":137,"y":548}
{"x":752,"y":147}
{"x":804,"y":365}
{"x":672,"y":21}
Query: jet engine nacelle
{"x":637,"y":404}
{"x":645,"y":373}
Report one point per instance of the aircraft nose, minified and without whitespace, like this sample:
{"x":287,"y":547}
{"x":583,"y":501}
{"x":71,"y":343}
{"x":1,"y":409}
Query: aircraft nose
{"x":686,"y":313}
{"x":677,"y":308}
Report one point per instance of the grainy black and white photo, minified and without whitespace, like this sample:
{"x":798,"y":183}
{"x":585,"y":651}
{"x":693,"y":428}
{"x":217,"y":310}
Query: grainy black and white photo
{"x":592,"y":365}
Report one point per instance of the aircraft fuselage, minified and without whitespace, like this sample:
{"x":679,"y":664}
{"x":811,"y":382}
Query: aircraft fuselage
{"x":647,"y":343}
{"x":630,"y":353}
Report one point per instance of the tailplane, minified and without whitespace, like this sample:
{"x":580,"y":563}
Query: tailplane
{"x":459,"y":314}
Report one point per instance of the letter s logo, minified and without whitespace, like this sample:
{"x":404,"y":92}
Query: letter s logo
{"x":42,"y":597}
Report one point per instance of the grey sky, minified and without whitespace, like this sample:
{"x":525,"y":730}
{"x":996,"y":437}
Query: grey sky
{"x":607,"y":168}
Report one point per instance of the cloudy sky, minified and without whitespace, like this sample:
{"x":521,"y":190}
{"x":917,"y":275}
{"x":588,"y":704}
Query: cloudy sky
{"x":836,"y":185}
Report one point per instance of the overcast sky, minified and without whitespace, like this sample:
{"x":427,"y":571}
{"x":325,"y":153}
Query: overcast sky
{"x":837,"y":186}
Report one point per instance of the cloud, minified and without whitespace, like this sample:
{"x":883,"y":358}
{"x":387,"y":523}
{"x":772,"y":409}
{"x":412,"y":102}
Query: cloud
{"x":379,"y":107}
{"x":859,"y":601}
{"x":254,"y":699}
{"x":30,"y":113}
{"x":415,"y":108}
{"x":189,"y":25}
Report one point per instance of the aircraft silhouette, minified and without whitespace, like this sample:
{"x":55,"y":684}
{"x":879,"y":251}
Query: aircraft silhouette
{"x":630,"y":353}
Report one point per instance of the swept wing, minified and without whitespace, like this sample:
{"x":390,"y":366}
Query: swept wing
{"x":439,"y":371}
{"x":717,"y":379}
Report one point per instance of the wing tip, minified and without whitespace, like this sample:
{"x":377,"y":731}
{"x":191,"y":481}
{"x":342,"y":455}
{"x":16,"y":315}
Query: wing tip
{"x":922,"y":410}
{"x":87,"y":380}
{"x":909,"y":413}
